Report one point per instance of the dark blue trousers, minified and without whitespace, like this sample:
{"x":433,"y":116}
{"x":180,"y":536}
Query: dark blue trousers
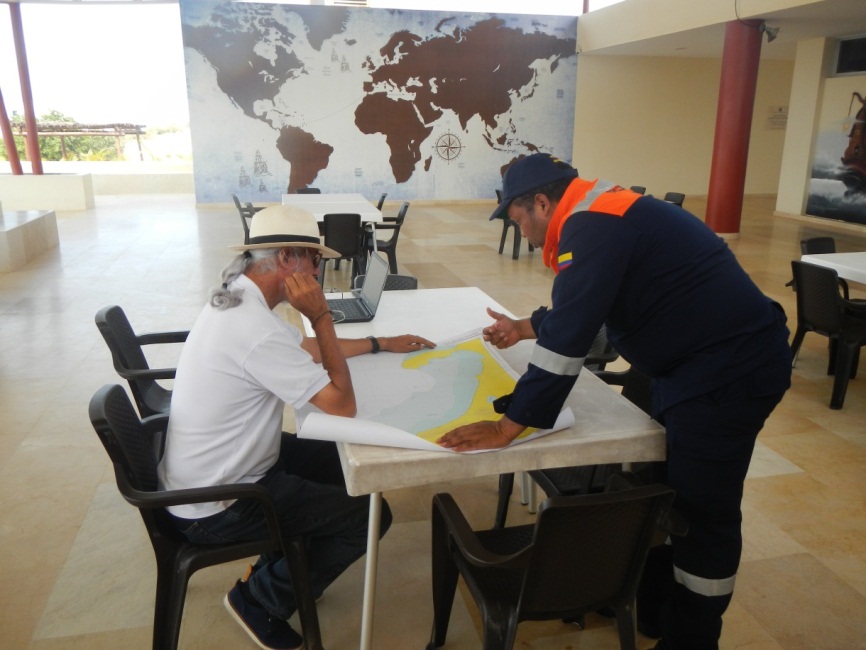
{"x":688,"y":586}
{"x":310,"y":494}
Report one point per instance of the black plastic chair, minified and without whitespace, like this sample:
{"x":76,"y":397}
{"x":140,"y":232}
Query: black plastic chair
{"x":246,"y":212}
{"x":394,"y":282}
{"x":381,"y":201}
{"x":135,"y":447}
{"x":510,"y":224}
{"x":308,"y":190}
{"x":388,"y":247}
{"x":130,"y":361}
{"x":823,"y":310}
{"x":675,"y":197}
{"x":640,"y":189}
{"x":343,"y":233}
{"x":582,"y":554}
{"x":601,"y":352}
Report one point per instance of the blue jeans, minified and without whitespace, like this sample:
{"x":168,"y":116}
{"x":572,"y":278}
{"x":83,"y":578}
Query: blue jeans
{"x":310,"y":495}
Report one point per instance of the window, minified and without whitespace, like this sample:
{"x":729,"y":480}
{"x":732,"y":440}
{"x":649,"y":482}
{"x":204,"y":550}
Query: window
{"x":851,"y":56}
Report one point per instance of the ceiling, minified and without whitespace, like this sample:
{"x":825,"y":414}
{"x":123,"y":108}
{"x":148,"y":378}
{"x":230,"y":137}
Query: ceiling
{"x":833,"y":18}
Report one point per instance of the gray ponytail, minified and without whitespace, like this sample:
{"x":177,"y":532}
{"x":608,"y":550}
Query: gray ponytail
{"x":222,"y":297}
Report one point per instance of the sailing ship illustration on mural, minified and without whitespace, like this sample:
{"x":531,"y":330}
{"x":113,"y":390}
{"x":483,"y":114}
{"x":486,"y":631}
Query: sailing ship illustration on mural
{"x":854,"y":157}
{"x":260,"y":168}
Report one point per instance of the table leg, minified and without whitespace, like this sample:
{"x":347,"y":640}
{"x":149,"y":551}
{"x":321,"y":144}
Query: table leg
{"x":372,"y":561}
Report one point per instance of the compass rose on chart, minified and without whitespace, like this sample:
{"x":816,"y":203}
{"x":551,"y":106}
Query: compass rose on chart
{"x":448,"y":146}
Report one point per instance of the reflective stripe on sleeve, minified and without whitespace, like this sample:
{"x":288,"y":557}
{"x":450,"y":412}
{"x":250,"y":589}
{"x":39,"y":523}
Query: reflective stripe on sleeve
{"x":554,"y":363}
{"x":705,"y":586}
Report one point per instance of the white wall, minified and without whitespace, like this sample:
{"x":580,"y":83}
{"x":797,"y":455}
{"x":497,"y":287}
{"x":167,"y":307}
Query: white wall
{"x":651,"y":121}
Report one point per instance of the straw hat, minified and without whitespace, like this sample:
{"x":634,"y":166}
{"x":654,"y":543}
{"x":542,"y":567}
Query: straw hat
{"x":280,"y":226}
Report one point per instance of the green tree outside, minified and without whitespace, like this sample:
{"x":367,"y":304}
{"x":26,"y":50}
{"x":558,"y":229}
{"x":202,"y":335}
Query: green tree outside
{"x":95,"y":147}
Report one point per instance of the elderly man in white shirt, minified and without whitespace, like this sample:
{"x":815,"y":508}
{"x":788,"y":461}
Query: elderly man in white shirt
{"x":239,"y":366}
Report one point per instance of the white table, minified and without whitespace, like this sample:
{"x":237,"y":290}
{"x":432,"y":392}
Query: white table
{"x":851,"y":266}
{"x":608,"y":428}
{"x":322,"y":204}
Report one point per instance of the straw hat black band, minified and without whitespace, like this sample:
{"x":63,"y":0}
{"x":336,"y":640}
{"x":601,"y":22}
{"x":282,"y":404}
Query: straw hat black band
{"x":285,"y":240}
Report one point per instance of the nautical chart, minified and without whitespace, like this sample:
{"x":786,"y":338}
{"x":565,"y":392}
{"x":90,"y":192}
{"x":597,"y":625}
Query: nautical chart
{"x":410,"y":400}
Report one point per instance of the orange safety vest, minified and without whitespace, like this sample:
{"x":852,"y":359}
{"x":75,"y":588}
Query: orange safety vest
{"x":582,"y":196}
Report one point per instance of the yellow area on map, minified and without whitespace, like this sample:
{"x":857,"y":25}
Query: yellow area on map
{"x":493,"y":381}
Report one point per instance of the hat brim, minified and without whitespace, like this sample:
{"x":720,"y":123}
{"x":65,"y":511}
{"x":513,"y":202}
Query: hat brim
{"x":501,"y":211}
{"x":327,"y":253}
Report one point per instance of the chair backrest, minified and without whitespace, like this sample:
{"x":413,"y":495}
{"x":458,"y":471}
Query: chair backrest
{"x":343,"y":233}
{"x":499,"y":196}
{"x":126,"y":352}
{"x":246,"y":213}
{"x":381,"y":201}
{"x":601,"y":352}
{"x":640,"y":189}
{"x":308,"y":190}
{"x":590,"y":549}
{"x":397,"y":223}
{"x":817,"y":245}
{"x":675,"y":197}
{"x":819,"y":302}
{"x":132,"y":448}
{"x":394,"y":282}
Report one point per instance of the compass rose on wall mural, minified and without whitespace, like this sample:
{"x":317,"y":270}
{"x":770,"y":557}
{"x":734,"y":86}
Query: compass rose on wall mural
{"x":448,"y":146}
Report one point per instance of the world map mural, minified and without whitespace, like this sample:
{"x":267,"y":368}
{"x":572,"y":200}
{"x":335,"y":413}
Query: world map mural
{"x":418,"y":104}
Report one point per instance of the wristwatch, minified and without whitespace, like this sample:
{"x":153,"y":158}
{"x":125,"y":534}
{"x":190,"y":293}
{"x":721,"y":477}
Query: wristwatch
{"x":375,"y":343}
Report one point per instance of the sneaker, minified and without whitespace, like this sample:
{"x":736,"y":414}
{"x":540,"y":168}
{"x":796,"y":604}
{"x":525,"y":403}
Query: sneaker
{"x":268,"y":632}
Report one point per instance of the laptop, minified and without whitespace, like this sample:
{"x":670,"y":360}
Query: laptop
{"x":362,"y":307}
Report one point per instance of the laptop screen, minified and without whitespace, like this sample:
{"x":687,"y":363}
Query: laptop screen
{"x":374,"y":282}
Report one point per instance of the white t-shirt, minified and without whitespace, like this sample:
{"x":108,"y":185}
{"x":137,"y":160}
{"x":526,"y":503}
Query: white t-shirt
{"x":237,"y":370}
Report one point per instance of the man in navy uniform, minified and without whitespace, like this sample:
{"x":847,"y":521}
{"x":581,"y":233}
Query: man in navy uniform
{"x":680,"y":308}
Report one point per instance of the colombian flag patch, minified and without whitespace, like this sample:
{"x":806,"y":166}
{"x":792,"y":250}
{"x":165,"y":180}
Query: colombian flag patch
{"x":563,"y":261}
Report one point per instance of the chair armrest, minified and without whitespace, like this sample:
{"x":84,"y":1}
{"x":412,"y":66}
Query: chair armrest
{"x":385,"y":226}
{"x":466,"y":540}
{"x":855,"y":308}
{"x":163,"y":498}
{"x":673,"y":522}
{"x":162,"y":337}
{"x":149,"y":373}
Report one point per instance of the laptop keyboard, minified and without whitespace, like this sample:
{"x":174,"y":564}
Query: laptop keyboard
{"x":350,"y":307}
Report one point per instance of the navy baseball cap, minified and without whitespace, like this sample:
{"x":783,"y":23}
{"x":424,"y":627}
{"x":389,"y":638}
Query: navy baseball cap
{"x":528,"y":174}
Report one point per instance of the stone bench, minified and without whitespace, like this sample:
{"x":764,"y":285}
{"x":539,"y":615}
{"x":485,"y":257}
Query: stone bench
{"x":24,"y":234}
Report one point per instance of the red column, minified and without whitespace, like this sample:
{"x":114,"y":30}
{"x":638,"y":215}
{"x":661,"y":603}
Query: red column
{"x":32,"y":139}
{"x":9,"y":139}
{"x":733,"y":125}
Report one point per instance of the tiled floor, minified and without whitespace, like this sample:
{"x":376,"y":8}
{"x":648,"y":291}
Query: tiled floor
{"x":77,"y":567}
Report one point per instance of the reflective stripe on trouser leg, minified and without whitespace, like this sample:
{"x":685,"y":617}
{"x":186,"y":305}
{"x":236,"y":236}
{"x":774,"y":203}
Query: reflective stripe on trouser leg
{"x":704,"y":586}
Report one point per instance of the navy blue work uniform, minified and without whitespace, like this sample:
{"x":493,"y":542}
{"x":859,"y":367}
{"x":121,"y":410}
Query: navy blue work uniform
{"x":680,"y":308}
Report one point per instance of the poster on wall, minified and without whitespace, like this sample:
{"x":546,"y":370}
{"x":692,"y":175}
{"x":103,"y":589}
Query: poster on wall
{"x":837,"y":189}
{"x":418,"y":104}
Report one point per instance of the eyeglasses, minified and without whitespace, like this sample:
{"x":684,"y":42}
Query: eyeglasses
{"x":310,"y":253}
